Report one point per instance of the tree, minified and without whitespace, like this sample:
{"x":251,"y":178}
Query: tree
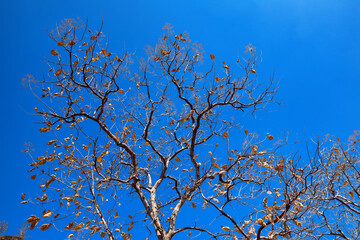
{"x":3,"y":228}
{"x":165,"y":133}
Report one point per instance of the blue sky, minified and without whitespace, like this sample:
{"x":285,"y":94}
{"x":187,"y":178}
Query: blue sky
{"x":314,"y":47}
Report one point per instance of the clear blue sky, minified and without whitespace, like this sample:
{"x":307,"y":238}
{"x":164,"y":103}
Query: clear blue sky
{"x":313,"y":45}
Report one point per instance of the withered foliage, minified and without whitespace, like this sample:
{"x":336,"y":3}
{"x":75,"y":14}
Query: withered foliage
{"x":166,"y":133}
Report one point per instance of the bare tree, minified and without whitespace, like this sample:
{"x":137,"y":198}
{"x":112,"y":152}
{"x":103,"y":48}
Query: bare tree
{"x":3,"y":227}
{"x":335,"y":190}
{"x":166,"y":132}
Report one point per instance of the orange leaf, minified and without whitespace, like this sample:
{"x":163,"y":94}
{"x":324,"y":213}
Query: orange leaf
{"x":45,"y":227}
{"x":47,"y":213}
{"x":54,"y":53}
{"x":51,"y":142}
{"x":254,"y":149}
{"x":70,"y":225}
{"x":351,"y":194}
{"x":71,"y":43}
{"x":212,"y":56}
{"x":60,"y":44}
{"x":75,"y":63}
{"x":225,"y":135}
{"x":131,"y":226}
{"x":44,"y":129}
{"x":58,"y":72}
{"x":270,"y":137}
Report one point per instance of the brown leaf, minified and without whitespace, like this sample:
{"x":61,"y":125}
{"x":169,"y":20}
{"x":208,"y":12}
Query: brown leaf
{"x":32,"y":219}
{"x":47,"y":213}
{"x":54,"y":53}
{"x":70,"y":225}
{"x":131,"y":226}
{"x":51,"y":142}
{"x":77,"y":227}
{"x":225,"y":135}
{"x":45,"y":227}
{"x":351,"y":194}
{"x":225,"y":228}
{"x":279,"y":167}
{"x":44,"y":129}
{"x":58,"y":72}
{"x":71,"y":43}
{"x":262,"y":152}
{"x":60,"y":44}
{"x":212,"y":56}
{"x":254,"y":149}
{"x":75,"y":63}
{"x":270,"y":137}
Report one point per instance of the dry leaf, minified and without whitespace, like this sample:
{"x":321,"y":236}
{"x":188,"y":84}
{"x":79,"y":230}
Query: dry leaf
{"x":225,"y":228}
{"x":47,"y":213}
{"x":45,"y":227}
{"x":44,"y":129}
{"x":131,"y":226}
{"x":254,"y":149}
{"x":54,"y":53}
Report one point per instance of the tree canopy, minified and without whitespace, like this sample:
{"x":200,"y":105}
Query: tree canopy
{"x":153,"y":144}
